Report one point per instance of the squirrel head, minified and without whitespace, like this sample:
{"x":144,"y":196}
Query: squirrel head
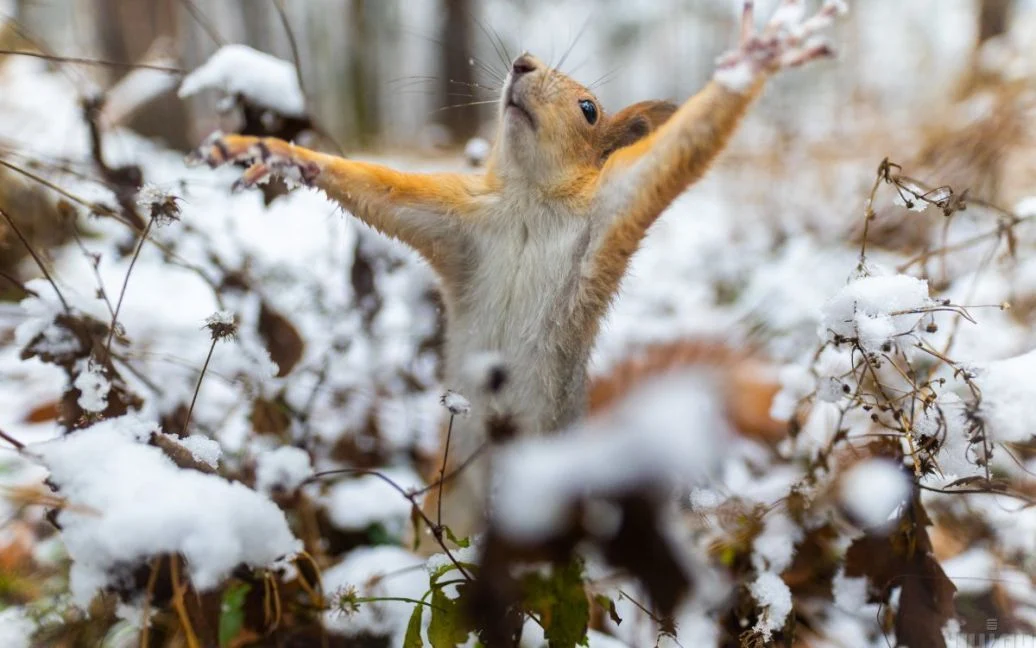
{"x":552,"y":127}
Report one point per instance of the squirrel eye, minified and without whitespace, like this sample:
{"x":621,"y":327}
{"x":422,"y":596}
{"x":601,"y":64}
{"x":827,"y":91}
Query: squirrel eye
{"x":589,"y":111}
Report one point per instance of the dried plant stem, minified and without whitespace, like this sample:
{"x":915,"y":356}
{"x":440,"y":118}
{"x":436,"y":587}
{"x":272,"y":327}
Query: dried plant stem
{"x":125,"y":283}
{"x":197,"y":386}
{"x":94,"y":207}
{"x":94,"y":261}
{"x":180,"y":606}
{"x":442,"y":470}
{"x":411,"y":496}
{"x":868,"y":214}
{"x":204,"y":22}
{"x":36,"y":258}
{"x":145,"y":621}
{"x":18,"y":445}
{"x":88,"y":61}
{"x":271,"y":602}
{"x":19,"y":285}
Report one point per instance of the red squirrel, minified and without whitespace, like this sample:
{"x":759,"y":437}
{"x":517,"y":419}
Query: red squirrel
{"x":530,"y":252}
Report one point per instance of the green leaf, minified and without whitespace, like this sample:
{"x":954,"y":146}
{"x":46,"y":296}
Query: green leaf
{"x":463,"y":543}
{"x":413,"y":629}
{"x":377,"y":534}
{"x":561,"y":604}
{"x":609,"y":606}
{"x":442,"y":570}
{"x":232,"y":612}
{"x":450,"y":626}
{"x":415,"y":522}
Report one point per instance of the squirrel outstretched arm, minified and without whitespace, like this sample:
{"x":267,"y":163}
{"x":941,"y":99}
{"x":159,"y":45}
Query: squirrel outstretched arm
{"x":640,"y":181}
{"x":427,"y":211}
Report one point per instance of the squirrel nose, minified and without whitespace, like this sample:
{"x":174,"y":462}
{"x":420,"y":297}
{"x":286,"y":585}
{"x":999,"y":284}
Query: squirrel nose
{"x":524,"y":64}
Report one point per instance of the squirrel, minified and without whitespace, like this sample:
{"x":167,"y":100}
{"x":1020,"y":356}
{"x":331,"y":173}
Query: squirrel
{"x":531,"y":251}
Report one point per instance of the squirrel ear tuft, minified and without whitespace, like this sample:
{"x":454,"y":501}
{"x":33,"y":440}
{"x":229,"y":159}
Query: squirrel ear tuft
{"x":633,"y":123}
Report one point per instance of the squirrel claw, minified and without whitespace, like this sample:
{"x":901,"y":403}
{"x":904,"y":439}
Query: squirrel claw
{"x":264,"y":158}
{"x":789,"y":39}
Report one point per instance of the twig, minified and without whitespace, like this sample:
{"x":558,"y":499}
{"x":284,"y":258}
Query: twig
{"x":884,"y":170}
{"x":411,"y":496}
{"x":94,"y":261}
{"x":197,"y":386}
{"x":179,"y":606}
{"x":125,"y":282}
{"x":18,"y":445}
{"x":397,"y":599}
{"x":87,"y":61}
{"x":19,"y":285}
{"x":36,"y":257}
{"x":442,"y":469}
{"x":318,"y":128}
{"x":94,"y":207}
{"x":149,"y":593}
{"x":200,"y":18}
{"x":293,"y":44}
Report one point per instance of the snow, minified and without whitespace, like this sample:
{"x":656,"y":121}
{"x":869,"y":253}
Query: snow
{"x":796,"y":383}
{"x":973,"y":572}
{"x":873,"y":490}
{"x":1009,"y":397}
{"x":39,"y":320}
{"x":127,"y":502}
{"x":16,"y":628}
{"x":789,"y":13}
{"x":774,"y":548}
{"x":876,"y":310}
{"x":477,"y":151}
{"x":207,"y":451}
{"x":850,"y":594}
{"x":155,"y":202}
{"x":282,"y":469}
{"x":93,"y":387}
{"x":456,"y":404}
{"x":355,"y":504}
{"x":737,"y":78}
{"x":910,"y":196}
{"x":264,"y":79}
{"x":221,"y":318}
{"x":771,"y":593}
{"x":670,"y":433}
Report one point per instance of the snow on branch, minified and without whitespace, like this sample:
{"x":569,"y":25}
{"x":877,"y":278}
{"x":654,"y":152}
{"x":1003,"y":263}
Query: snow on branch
{"x":241,"y":70}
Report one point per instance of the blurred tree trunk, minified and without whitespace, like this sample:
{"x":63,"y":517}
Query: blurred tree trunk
{"x":457,"y":74}
{"x":362,"y":73}
{"x":992,"y":19}
{"x":127,"y":29}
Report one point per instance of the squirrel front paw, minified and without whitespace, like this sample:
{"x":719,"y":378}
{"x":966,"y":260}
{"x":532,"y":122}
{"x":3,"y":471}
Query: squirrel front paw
{"x":264,"y":157}
{"x":788,"y":40}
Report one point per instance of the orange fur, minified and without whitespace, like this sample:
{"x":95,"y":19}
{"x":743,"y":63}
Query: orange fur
{"x":371,"y":192}
{"x":662,"y":166}
{"x":748,"y":383}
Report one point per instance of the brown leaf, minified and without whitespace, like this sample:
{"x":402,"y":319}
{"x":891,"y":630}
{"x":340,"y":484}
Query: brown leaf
{"x":282,"y":339}
{"x":44,"y":412}
{"x":180,"y":455}
{"x":904,"y":559}
{"x":270,"y":417}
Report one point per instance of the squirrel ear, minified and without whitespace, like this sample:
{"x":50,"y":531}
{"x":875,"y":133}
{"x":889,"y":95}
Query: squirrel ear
{"x":633,"y":123}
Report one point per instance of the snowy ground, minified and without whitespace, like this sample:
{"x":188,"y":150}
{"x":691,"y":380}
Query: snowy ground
{"x":758,"y":254}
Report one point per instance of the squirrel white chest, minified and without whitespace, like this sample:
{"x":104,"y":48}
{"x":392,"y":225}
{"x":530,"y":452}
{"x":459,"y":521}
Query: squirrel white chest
{"x":516,"y":302}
